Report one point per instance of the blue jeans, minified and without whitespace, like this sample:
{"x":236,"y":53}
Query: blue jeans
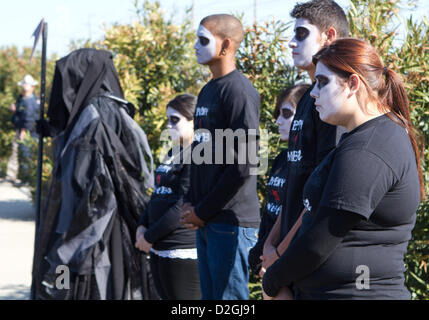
{"x":223,"y":251}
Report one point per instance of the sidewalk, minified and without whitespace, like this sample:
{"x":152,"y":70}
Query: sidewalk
{"x":16,"y":241}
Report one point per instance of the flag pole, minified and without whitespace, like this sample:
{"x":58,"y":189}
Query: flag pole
{"x":42,"y":30}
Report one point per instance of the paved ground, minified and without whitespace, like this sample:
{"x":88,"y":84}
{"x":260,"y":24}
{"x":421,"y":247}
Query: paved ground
{"x":16,"y":241}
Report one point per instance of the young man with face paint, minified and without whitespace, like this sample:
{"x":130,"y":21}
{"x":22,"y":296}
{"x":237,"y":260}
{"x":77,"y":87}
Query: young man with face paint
{"x":318,"y":23}
{"x":223,"y":197}
{"x":172,"y":247}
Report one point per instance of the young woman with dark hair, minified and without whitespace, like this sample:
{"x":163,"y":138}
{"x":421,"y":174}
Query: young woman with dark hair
{"x":362,"y":199}
{"x":172,"y":247}
{"x":276,"y":187}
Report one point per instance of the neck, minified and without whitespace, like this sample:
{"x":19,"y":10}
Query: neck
{"x":311,"y":72}
{"x":27,"y":94}
{"x":360,"y":118}
{"x":221,"y":68}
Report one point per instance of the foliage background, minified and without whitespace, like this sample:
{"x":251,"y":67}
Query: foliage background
{"x":155,"y":61}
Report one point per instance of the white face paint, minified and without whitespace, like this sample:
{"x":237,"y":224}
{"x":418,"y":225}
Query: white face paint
{"x":205,"y":47}
{"x":178,"y":126}
{"x":305,"y":44}
{"x":284,"y":121}
{"x":330,"y":95}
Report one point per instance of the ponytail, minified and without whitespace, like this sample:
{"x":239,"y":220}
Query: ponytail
{"x":349,"y":56}
{"x":395,"y":98}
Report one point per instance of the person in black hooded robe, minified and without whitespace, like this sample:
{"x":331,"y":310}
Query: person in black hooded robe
{"x":98,"y":187}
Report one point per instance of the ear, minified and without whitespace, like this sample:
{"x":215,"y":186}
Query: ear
{"x":226,"y":45}
{"x":331,"y":35}
{"x":353,"y":84}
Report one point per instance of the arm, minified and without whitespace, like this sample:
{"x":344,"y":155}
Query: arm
{"x":310,"y":249}
{"x":271,"y":254}
{"x":357,"y":182}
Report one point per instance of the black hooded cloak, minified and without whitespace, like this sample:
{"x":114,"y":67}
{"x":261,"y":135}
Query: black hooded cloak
{"x":98,"y":187}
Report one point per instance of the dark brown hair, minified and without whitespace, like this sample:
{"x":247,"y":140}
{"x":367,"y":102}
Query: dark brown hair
{"x":380,"y":84}
{"x":324,"y":14}
{"x":185,"y":104}
{"x":292,"y":95}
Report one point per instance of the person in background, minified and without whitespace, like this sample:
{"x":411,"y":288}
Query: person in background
{"x":172,"y":247}
{"x":276,"y":187}
{"x":26,"y":109}
{"x":25,"y":114}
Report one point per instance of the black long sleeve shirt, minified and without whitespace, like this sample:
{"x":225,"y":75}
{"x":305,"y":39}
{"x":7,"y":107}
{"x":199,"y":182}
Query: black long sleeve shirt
{"x":162,"y":215}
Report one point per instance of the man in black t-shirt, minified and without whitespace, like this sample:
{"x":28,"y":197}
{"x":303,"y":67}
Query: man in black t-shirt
{"x":223,"y":201}
{"x":318,"y":23}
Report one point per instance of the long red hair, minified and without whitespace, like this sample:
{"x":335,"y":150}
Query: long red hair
{"x":349,"y":56}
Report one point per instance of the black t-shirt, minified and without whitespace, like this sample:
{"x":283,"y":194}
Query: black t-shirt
{"x":225,"y":193}
{"x":371,"y":173}
{"x":276,"y":190}
{"x":162,"y":214}
{"x":310,"y":141}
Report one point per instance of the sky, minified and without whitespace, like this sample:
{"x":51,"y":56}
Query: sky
{"x":82,"y":19}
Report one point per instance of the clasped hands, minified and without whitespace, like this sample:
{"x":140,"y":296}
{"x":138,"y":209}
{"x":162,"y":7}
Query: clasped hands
{"x":189,"y":218}
{"x":268,"y":257}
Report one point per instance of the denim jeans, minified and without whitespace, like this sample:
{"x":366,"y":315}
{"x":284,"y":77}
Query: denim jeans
{"x":223,"y":251}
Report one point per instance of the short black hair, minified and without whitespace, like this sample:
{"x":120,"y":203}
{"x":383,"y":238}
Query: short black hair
{"x":185,"y":104}
{"x":324,"y":14}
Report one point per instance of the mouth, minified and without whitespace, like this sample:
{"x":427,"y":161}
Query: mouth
{"x":295,"y":53}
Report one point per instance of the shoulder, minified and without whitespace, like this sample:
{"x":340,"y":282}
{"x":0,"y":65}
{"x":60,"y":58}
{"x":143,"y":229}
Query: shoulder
{"x":385,"y":139}
{"x":238,"y":86}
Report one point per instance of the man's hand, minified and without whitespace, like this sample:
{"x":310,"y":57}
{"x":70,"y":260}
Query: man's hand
{"x":13,"y":107}
{"x":189,"y":218}
{"x":141,"y":242}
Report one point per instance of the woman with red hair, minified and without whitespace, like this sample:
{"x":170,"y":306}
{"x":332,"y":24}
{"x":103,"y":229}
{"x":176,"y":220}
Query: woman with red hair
{"x":362,"y":199}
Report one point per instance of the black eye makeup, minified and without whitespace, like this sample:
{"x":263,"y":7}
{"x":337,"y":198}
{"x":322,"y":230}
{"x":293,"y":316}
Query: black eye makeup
{"x":204,"y":41}
{"x":301,"y":33}
{"x":321,"y":81}
{"x":173,"y":120}
{"x":287,"y":113}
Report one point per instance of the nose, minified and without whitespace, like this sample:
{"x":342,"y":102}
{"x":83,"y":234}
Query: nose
{"x":195,"y":45}
{"x":314,"y":92}
{"x":169,"y":126}
{"x":279,"y":120}
{"x":292,"y":43}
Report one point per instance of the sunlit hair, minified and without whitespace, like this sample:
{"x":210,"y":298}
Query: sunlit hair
{"x":380,"y":84}
{"x":292,"y":95}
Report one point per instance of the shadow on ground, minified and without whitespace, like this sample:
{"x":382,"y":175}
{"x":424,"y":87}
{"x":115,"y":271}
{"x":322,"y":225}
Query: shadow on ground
{"x":14,"y":292}
{"x":17,"y":210}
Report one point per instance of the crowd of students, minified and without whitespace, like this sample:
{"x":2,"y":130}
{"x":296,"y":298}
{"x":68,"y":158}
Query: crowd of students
{"x":341,"y":199}
{"x":342,"y":196}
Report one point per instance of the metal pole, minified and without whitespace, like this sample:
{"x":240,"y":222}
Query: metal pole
{"x":39,"y":159}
